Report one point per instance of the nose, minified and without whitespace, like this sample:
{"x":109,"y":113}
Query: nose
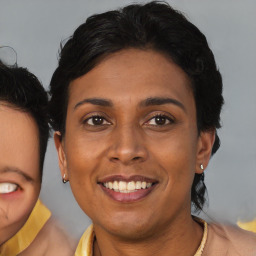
{"x":127,"y":146}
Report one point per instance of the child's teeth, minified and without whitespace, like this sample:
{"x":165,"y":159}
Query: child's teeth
{"x":7,"y":188}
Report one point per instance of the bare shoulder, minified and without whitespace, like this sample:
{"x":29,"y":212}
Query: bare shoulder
{"x":58,"y":240}
{"x":52,"y":240}
{"x":232,"y":239}
{"x":234,"y":233}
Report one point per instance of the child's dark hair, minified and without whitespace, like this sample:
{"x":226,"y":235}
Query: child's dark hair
{"x":21,"y":90}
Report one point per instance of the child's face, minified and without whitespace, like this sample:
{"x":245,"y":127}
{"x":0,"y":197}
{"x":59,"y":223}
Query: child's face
{"x":19,"y":169}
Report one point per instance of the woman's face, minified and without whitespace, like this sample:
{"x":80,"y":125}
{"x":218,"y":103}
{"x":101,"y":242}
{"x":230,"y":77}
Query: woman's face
{"x":131,"y":146}
{"x":19,"y":169}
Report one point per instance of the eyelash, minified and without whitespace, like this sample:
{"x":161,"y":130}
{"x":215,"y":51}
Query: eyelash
{"x":95,"y":117}
{"x":160,"y":116}
{"x":102,"y":121}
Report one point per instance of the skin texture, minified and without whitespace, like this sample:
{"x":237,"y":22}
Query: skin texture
{"x":51,"y":241}
{"x":19,"y":150}
{"x":130,"y":141}
{"x":19,"y":164}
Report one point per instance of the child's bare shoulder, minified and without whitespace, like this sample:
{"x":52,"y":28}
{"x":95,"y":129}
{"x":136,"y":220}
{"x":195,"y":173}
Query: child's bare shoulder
{"x":52,"y":240}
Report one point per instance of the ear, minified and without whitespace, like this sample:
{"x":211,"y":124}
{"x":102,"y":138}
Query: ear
{"x":59,"y":144}
{"x":204,"y":150}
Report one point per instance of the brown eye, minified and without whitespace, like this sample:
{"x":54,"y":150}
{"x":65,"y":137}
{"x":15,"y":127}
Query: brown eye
{"x":96,"y":121}
{"x":160,"y":120}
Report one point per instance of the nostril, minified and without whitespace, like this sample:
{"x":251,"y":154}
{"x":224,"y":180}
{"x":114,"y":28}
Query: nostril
{"x":115,"y":159}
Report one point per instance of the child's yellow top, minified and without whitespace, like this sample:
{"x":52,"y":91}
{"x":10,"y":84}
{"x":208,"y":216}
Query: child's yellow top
{"x":250,"y":226}
{"x":25,"y":236}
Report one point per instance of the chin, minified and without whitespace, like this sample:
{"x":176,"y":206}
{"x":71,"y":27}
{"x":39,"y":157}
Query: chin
{"x":132,"y":229}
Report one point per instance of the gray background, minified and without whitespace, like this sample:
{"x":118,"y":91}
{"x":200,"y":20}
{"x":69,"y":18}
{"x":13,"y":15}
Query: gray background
{"x":35,"y":28}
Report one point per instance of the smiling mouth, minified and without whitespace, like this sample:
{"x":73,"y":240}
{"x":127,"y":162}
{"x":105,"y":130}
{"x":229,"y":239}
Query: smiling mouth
{"x":127,"y":190}
{"x":127,"y":187}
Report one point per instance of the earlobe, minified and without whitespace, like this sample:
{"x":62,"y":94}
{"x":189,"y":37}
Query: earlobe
{"x":58,"y":140}
{"x":204,"y":150}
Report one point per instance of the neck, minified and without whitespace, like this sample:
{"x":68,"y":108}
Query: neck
{"x":180,"y":238}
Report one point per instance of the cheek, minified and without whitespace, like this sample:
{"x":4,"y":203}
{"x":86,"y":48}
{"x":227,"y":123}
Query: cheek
{"x":83,"y":191}
{"x":16,"y":207}
{"x":83,"y":157}
{"x":79,"y":167}
{"x":84,"y":160}
{"x":176,"y":151}
{"x":176,"y":155}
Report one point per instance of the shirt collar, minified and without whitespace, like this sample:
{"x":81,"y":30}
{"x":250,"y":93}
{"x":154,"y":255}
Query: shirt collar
{"x":85,"y":245}
{"x":25,"y":236}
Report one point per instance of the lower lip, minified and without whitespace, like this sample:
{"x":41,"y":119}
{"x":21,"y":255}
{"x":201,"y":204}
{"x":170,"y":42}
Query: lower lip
{"x":127,"y":197}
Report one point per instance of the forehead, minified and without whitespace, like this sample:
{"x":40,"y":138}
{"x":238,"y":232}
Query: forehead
{"x":19,"y":140}
{"x":132,"y":73}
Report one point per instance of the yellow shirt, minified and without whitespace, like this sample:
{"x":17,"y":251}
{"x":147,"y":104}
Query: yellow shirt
{"x":221,"y":241}
{"x":85,"y":246}
{"x":25,"y":236}
{"x":249,"y":226}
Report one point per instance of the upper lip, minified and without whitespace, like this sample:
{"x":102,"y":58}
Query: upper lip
{"x":127,"y":178}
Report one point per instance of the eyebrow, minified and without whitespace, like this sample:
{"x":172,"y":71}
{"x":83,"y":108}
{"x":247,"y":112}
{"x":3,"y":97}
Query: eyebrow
{"x":152,"y":101}
{"x":161,"y":101}
{"x":17,"y":171}
{"x":95,"y":101}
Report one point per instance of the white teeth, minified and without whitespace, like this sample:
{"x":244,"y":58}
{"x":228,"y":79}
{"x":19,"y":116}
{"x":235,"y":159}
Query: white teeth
{"x":122,"y":185}
{"x":138,"y":185}
{"x":115,"y":185}
{"x":144,"y":184}
{"x":127,"y":187}
{"x":7,"y":188}
{"x":131,"y":186}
